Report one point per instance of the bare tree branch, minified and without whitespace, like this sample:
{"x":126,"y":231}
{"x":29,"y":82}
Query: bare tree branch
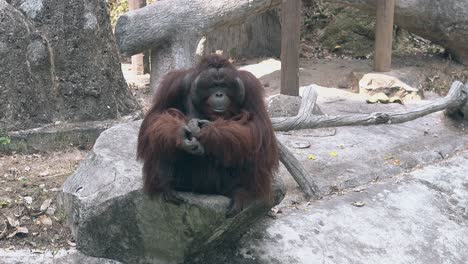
{"x":456,"y":98}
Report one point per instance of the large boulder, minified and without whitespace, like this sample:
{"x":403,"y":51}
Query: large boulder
{"x":443,"y":22}
{"x":59,"y":63}
{"x":111,"y":218}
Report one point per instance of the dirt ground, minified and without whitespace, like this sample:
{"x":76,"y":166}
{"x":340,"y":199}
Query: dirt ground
{"x":29,"y":183}
{"x":28,"y":192}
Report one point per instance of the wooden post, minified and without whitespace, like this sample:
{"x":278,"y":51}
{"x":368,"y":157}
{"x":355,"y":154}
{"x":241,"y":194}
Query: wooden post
{"x":290,"y":40}
{"x":383,"y":35}
{"x":138,"y":61}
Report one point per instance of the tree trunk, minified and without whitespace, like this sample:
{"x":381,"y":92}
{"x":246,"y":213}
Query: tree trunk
{"x":59,"y":64}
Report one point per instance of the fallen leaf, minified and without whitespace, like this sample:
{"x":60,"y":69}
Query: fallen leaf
{"x":299,"y":144}
{"x":333,"y":154}
{"x":12,"y":234}
{"x":18,"y":230}
{"x":45,"y":205}
{"x":50,"y":211}
{"x":358,"y":204}
{"x":44,"y":173}
{"x":71,"y":244}
{"x":311,"y":157}
{"x":12,"y":222}
{"x":45,"y":220}
{"x":5,"y":202}
{"x":22,"y":230}
{"x":28,"y":199}
{"x":359,"y":189}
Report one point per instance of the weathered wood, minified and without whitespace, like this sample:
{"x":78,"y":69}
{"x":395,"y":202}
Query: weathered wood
{"x":138,"y":60}
{"x":136,"y":4}
{"x":298,"y":172}
{"x":456,"y":98}
{"x":165,"y":22}
{"x":290,"y":41}
{"x":384,"y":35}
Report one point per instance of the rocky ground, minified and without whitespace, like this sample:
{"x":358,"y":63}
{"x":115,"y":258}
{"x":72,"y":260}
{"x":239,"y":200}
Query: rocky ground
{"x":368,"y":161}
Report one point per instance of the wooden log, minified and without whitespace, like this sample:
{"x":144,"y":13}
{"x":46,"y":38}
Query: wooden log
{"x":298,"y":172}
{"x":456,"y":98}
{"x":290,"y":42}
{"x":160,"y":24}
{"x":384,"y":35}
{"x":138,"y":60}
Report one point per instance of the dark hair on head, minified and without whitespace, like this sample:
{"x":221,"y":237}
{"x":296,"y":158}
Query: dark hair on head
{"x":215,"y":61}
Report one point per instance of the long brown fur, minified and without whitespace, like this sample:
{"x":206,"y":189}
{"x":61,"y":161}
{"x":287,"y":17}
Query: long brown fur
{"x":241,"y":153}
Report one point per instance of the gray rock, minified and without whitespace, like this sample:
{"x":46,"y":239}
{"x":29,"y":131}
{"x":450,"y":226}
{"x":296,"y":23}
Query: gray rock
{"x":59,"y":63}
{"x":61,"y":257}
{"x":388,"y":84}
{"x":110,"y":217}
{"x":280,"y":105}
{"x":417,"y":218}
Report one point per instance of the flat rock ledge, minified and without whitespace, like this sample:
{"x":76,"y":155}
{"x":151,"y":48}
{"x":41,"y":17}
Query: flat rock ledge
{"x":111,"y":218}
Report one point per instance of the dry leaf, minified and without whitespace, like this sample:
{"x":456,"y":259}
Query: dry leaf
{"x":12,"y":222}
{"x":45,"y":220}
{"x":45,"y":205}
{"x":28,"y":199}
{"x":44,"y":173}
{"x":22,"y":230}
{"x":333,"y":154}
{"x":12,"y":234}
{"x":358,"y":204}
{"x":311,"y":157}
{"x":71,"y":244}
{"x":299,"y":144}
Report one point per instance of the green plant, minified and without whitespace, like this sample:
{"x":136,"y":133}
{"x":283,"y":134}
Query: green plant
{"x":4,"y":138}
{"x":116,"y":9}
